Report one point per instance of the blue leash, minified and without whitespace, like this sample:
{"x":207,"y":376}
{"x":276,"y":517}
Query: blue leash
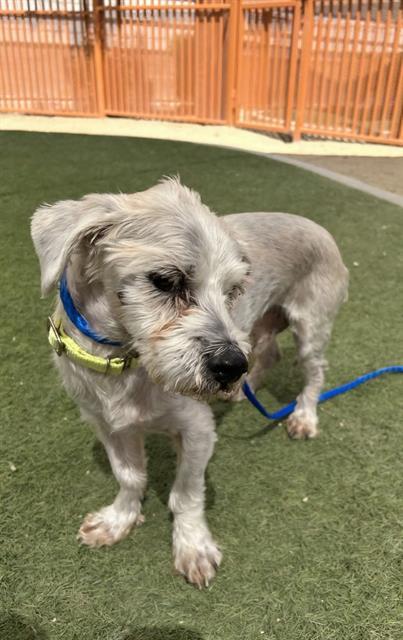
{"x":327,"y":395}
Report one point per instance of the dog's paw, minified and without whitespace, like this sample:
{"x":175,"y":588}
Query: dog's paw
{"x":107,"y":526}
{"x":197,"y":562}
{"x":302,"y":425}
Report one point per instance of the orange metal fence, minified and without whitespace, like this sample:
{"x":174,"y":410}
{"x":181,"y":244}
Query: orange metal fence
{"x":268,"y":56}
{"x":321,"y":67}
{"x":167,"y":61}
{"x":354,"y":71}
{"x":46,"y":57}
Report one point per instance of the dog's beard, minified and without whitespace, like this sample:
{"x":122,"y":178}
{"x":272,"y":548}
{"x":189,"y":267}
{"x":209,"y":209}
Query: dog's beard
{"x":196,"y":384}
{"x":184,"y":371}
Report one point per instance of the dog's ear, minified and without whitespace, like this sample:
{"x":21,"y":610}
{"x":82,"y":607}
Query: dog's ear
{"x":58,"y":229}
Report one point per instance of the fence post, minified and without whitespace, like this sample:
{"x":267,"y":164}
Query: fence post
{"x":235,"y":34}
{"x":306,"y":50}
{"x":98,"y":55}
{"x":296,"y":29}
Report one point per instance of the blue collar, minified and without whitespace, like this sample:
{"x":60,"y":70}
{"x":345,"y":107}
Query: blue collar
{"x":75,"y":316}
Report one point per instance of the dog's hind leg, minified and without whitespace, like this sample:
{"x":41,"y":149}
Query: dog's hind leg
{"x":196,"y":555}
{"x":311,"y":338}
{"x":126,"y":455}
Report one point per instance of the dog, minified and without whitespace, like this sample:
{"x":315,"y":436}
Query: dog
{"x":178,"y":301}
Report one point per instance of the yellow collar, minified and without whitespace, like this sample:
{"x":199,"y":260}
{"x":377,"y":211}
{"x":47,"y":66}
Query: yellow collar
{"x":63,"y":344}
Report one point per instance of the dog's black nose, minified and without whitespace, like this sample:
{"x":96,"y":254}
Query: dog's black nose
{"x":227,"y":365}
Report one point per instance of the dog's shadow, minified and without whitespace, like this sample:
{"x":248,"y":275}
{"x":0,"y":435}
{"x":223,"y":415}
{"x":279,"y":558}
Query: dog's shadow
{"x":15,"y":627}
{"x":161,"y":467}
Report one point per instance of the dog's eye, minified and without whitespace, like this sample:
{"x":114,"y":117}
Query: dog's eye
{"x":162,"y":282}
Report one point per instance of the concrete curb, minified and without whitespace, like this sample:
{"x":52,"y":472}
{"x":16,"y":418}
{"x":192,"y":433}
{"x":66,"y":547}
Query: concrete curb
{"x":221,"y":136}
{"x":354,"y":183}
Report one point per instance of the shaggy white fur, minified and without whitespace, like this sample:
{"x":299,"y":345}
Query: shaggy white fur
{"x":191,"y":294}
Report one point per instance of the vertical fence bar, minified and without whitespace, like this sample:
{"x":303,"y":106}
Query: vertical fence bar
{"x":220,"y":65}
{"x":124,"y":60}
{"x":305,"y":61}
{"x":116,"y":50}
{"x":352,"y":66}
{"x":250,"y":54}
{"x":296,"y":29}
{"x":54,"y":24}
{"x":283,"y":43}
{"x":15,"y":65}
{"x":16,"y":50}
{"x":4,"y":67}
{"x":180,"y":64}
{"x":371,"y":74}
{"x":324,"y":66}
{"x":41,"y":62}
{"x":76,"y":87}
{"x":145,"y":60}
{"x":380,"y":78}
{"x":317,"y":38}
{"x":396,"y":121}
{"x":235,"y":42}
{"x":49,"y":61}
{"x":389,"y":80}
{"x":342,"y":71}
{"x":333,"y":79}
{"x":263,"y":54}
{"x":205,"y":62}
{"x":99,"y":17}
{"x":29,"y":65}
{"x":275,"y":65}
{"x":360,"y":74}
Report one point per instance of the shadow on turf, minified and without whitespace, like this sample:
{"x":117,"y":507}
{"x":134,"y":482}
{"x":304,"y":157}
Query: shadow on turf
{"x":162,"y":633}
{"x":14,"y":627}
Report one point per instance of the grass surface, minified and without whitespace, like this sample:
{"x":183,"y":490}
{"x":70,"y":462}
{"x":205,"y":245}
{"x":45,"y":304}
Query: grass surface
{"x":325,"y":568}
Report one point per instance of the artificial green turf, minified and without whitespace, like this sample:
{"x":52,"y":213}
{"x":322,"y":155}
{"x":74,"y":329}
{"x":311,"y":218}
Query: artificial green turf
{"x":325,"y":568}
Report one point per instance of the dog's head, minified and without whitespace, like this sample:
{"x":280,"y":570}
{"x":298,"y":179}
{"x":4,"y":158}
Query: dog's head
{"x":164,"y":268}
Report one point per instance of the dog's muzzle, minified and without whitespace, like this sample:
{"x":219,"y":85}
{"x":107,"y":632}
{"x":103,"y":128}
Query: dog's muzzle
{"x":228,"y":365}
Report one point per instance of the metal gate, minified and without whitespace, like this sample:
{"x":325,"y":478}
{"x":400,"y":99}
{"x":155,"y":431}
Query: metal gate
{"x":321,"y":67}
{"x":47,"y":57}
{"x":166,"y":60}
{"x":267,"y":64}
{"x":351,"y":70}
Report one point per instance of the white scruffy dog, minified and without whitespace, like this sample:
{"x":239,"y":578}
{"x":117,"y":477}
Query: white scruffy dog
{"x":187,"y":294}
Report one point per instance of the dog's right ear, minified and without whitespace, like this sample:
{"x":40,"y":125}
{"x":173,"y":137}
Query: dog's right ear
{"x":58,"y":229}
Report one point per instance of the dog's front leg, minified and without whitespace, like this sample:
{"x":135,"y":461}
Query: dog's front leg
{"x":110,"y":524}
{"x":196,"y":555}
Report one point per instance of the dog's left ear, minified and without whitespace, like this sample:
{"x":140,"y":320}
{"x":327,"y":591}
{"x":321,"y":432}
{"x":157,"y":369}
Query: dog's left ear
{"x":58,"y":229}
